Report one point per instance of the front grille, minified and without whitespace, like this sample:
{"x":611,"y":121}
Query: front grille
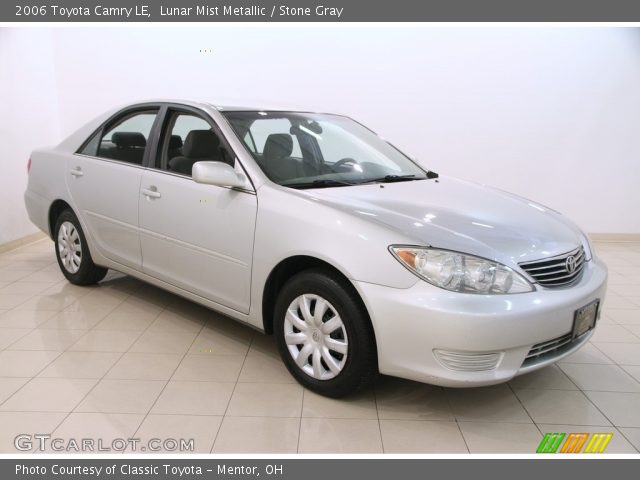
{"x":549,"y":348}
{"x":556,"y":271}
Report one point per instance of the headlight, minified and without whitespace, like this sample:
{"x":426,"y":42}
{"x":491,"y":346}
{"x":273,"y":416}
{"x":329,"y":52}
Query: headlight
{"x":460,"y":272}
{"x":586,"y":244}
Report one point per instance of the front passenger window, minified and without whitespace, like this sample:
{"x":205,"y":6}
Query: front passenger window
{"x":189,"y":139}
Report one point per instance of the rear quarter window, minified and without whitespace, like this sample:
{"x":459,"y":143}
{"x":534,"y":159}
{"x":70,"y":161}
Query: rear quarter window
{"x":123,"y":139}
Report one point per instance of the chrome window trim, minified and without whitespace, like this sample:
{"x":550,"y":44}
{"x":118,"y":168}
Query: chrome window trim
{"x":165,"y":172}
{"x":187,"y":177}
{"x":110,"y":160}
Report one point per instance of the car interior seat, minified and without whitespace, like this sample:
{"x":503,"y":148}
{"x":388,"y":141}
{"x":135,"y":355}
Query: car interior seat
{"x":276,"y":158}
{"x":200,"y":145}
{"x":175,"y":146}
{"x":128,"y":147}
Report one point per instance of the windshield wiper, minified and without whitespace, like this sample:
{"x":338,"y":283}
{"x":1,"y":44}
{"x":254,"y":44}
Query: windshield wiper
{"x":324,"y":183}
{"x":393,"y":178}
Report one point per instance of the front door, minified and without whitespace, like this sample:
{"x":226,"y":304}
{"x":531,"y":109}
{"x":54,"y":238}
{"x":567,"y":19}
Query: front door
{"x":196,"y":237}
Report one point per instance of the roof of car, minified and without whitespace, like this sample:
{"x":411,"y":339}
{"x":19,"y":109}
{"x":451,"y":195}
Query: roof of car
{"x":239,"y":108}
{"x":228,"y":107}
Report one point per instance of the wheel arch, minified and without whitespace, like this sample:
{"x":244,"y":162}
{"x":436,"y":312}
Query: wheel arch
{"x":289,"y":267}
{"x":56,"y":208}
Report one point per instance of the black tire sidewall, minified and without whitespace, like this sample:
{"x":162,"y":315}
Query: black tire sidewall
{"x":88,"y":272}
{"x":361,"y":365}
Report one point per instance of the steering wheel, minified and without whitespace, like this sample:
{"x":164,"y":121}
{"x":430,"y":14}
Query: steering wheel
{"x":344,"y":161}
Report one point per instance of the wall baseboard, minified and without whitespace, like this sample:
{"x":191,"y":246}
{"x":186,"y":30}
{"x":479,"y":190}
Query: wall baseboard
{"x":19,"y":242}
{"x":615,"y":237}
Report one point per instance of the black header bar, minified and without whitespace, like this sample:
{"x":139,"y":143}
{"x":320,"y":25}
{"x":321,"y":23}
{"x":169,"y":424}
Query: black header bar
{"x":320,"y":11}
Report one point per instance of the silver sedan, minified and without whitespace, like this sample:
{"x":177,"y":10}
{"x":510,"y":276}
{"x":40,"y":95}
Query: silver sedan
{"x":311,"y":227}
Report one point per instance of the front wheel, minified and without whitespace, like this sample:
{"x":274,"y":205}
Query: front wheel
{"x":72,"y":252}
{"x":324,"y":334}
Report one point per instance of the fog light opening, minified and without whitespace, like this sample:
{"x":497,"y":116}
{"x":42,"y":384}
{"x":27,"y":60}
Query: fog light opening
{"x":468,"y":361}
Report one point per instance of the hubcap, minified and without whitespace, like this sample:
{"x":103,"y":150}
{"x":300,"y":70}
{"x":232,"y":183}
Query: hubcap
{"x":316,"y":337}
{"x":69,"y":247}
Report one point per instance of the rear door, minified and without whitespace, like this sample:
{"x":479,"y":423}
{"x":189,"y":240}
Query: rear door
{"x":104,"y":182}
{"x":196,"y":237}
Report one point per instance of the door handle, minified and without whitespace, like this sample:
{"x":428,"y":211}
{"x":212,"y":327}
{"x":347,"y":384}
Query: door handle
{"x":76,"y":172}
{"x":151,"y":192}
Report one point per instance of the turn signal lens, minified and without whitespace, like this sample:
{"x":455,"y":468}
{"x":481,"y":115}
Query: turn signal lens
{"x":407,"y":256}
{"x":29,"y":166}
{"x":460,"y":272}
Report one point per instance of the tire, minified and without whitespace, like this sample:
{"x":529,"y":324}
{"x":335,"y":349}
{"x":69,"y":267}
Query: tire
{"x":314,"y":357}
{"x":72,"y":251}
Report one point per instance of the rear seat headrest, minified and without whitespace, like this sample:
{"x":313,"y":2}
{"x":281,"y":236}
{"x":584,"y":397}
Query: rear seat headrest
{"x":175,"y":142}
{"x":278,"y":145}
{"x":201,"y":144}
{"x":128,"y":139}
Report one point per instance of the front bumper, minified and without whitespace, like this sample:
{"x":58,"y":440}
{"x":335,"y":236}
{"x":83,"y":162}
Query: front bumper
{"x":411,"y":324}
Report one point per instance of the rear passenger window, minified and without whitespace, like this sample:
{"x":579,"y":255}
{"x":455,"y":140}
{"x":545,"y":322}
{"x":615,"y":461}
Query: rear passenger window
{"x":125,"y":140}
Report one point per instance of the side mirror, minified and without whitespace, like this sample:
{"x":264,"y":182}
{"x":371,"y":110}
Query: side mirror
{"x":217,"y":173}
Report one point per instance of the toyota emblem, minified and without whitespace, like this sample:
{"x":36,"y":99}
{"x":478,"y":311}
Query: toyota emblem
{"x":570,"y":264}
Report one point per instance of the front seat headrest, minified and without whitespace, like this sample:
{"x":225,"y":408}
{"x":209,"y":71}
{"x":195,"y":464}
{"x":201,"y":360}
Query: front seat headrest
{"x":128,"y":139}
{"x":175,"y":142}
{"x":201,"y":144}
{"x":278,"y":145}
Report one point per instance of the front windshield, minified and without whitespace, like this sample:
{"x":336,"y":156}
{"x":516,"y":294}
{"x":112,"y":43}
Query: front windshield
{"x":308,"y":150}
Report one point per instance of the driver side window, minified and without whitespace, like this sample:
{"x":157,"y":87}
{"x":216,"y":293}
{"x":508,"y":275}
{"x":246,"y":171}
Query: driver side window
{"x":336,"y":145}
{"x":262,"y":129}
{"x":276,"y":150}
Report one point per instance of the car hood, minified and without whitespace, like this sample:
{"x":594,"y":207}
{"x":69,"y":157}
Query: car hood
{"x":458,"y":215}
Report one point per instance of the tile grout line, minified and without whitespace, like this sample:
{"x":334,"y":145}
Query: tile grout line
{"x":525,"y":408}
{"x":60,"y":353}
{"x":35,"y":376}
{"x":375,"y":401}
{"x":625,"y":325}
{"x":584,"y":392}
{"x":233,"y":416}
{"x":174,"y":370}
{"x":128,"y":350}
{"x":8,"y":347}
{"x":627,"y":438}
{"x":304,"y":391}
{"x":32,"y":273}
{"x":603,"y":353}
{"x":462,"y":435}
{"x":224,"y":415}
{"x":613,"y":425}
{"x":588,"y":400}
{"x":98,"y":380}
{"x":455,"y":417}
{"x":619,"y":366}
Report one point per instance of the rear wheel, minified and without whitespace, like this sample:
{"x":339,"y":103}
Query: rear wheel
{"x":72,"y":252}
{"x":324,"y":334}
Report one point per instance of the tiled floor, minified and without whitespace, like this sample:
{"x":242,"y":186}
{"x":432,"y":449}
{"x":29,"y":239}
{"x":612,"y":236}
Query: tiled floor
{"x":125,"y":359}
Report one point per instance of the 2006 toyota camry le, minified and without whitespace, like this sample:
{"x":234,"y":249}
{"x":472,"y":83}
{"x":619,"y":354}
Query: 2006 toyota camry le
{"x":313,"y":228}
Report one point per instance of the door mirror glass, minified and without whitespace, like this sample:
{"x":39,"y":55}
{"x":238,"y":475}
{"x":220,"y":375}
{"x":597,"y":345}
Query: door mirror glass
{"x":219,"y":174}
